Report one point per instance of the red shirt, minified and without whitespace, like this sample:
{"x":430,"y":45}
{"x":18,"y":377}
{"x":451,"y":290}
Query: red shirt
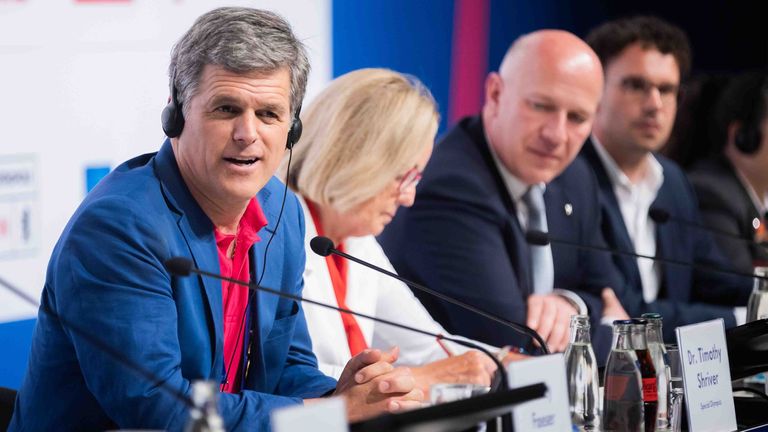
{"x":234,"y":296}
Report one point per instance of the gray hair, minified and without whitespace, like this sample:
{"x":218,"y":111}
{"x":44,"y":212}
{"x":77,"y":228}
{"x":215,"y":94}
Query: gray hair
{"x":240,"y":40}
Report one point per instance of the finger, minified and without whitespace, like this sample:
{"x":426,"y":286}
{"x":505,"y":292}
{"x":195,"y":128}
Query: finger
{"x":398,"y":381}
{"x":559,"y":332}
{"x":391,"y":355}
{"x":482,"y":361}
{"x":534,"y":310}
{"x":364,"y":358}
{"x":513,"y":356}
{"x":547,"y":319}
{"x":489,"y":365}
{"x":564,"y":326}
{"x":609,"y":296}
{"x":372,"y":371}
{"x":406,"y":403}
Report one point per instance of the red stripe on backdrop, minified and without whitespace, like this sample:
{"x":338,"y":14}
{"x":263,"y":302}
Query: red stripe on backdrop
{"x":469,"y":59}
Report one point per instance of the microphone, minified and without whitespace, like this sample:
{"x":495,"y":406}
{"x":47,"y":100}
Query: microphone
{"x":748,"y":348}
{"x":540,"y":238}
{"x":103,"y":347}
{"x":661,"y":216}
{"x":180,"y":266}
{"x":324,"y":246}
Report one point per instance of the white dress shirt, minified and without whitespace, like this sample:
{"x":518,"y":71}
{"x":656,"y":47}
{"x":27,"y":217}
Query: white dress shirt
{"x":635,"y":201}
{"x":371,"y":293}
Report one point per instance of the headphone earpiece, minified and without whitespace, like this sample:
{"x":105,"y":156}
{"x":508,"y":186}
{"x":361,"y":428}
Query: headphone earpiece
{"x":172,"y":117}
{"x":748,"y":138}
{"x":294,"y":133}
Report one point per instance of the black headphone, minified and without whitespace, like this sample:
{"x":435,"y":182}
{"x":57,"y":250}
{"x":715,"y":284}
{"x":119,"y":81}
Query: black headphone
{"x":172,"y":119}
{"x":753,"y":89}
{"x":748,"y":138}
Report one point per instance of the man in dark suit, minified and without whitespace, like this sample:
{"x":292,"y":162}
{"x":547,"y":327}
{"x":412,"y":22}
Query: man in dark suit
{"x":732,"y":183}
{"x":208,"y":194}
{"x":482,"y":190}
{"x":644,"y":59}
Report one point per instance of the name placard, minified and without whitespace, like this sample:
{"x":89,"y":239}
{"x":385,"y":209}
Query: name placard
{"x":327,"y":415}
{"x":549,"y":413}
{"x":706,"y":377}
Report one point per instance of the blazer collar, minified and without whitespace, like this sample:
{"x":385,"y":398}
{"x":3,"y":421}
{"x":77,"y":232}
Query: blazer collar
{"x":473,"y":127}
{"x":197,"y":230}
{"x":613,"y":213}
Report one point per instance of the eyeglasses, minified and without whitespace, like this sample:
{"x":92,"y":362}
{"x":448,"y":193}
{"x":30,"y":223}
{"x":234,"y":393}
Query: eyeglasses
{"x":641,"y":88}
{"x":410,"y":179}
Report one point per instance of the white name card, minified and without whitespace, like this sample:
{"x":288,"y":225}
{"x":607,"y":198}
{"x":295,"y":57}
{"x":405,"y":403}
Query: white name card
{"x":706,"y":377}
{"x":328,"y":415}
{"x":549,"y":413}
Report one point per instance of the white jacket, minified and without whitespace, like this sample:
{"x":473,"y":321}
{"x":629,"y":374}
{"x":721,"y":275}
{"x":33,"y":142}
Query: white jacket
{"x":371,"y":293}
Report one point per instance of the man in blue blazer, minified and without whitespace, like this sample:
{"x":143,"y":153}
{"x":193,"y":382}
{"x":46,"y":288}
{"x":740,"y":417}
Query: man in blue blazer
{"x":231,"y":114}
{"x":465,"y":234}
{"x":644,"y":59}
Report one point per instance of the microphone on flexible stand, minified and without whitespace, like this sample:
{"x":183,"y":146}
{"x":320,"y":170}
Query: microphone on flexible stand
{"x":115,"y":354}
{"x":180,"y":266}
{"x":324,"y":246}
{"x":661,"y":216}
{"x":540,"y":238}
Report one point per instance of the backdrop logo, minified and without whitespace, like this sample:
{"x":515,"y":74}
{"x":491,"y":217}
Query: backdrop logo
{"x":18,"y":204}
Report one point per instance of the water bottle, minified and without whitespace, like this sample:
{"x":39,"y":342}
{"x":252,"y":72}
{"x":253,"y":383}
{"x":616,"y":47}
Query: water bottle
{"x":583,"y":380}
{"x":660,"y":360}
{"x":758,"y":299}
{"x":623,"y":396}
{"x":204,"y":415}
{"x":647,"y":372}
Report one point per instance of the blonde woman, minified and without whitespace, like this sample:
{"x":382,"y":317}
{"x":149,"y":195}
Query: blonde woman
{"x":366,"y":138}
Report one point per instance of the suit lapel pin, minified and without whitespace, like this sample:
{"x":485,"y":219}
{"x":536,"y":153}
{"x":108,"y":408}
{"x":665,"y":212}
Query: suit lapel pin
{"x":568,"y":207}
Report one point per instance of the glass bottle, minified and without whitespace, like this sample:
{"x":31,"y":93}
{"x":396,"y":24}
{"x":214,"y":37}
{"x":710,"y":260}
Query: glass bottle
{"x":647,"y":372}
{"x":623,"y":397}
{"x":204,"y":414}
{"x":583,"y":380}
{"x":660,"y":360}
{"x":758,"y":299}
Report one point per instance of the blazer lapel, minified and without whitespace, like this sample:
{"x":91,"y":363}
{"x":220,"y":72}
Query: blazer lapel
{"x":197,"y":230}
{"x":520,"y":248}
{"x":616,"y":233}
{"x":666,"y":238}
{"x":265,"y":304}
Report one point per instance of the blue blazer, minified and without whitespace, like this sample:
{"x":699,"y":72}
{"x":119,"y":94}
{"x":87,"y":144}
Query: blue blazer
{"x":106,"y":275}
{"x":687,"y":295}
{"x":462,"y":238}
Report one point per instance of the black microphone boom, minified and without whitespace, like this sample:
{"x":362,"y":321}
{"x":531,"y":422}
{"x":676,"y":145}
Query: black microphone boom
{"x":661,"y":216}
{"x":180,"y":266}
{"x":324,"y":246}
{"x":540,"y":238}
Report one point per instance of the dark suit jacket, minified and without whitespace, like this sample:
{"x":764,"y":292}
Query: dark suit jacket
{"x":462,"y":238}
{"x":106,"y":276}
{"x":726,"y":205}
{"x":687,"y":295}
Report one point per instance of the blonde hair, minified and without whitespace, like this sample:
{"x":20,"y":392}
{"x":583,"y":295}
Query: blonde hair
{"x":366,"y":128}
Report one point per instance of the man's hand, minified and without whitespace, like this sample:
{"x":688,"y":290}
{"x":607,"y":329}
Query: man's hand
{"x":550,"y":316}
{"x":370,"y":385}
{"x":612,"y":306}
{"x":472,"y":367}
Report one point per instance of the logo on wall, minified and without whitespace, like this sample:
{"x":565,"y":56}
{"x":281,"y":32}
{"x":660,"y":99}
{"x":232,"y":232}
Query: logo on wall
{"x":18,"y":205}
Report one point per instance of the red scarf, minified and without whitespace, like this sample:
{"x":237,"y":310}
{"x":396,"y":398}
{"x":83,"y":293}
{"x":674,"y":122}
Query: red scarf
{"x":337,"y":268}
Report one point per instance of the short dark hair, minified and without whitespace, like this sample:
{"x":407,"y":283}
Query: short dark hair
{"x":744,"y":100}
{"x":609,"y":39}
